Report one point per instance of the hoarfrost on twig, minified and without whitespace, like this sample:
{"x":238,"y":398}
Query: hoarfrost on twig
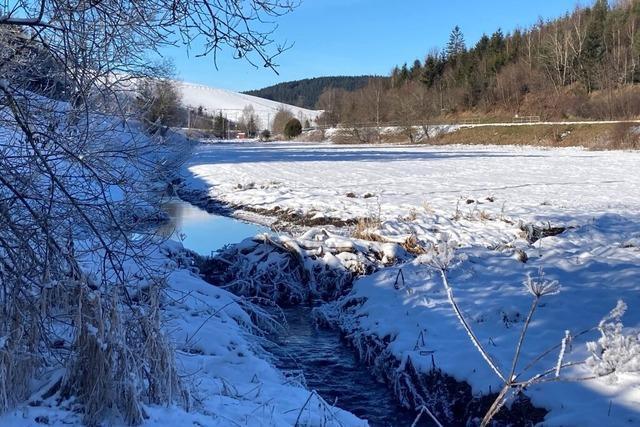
{"x":539,"y":287}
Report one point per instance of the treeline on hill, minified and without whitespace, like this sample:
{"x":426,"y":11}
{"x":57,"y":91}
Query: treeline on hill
{"x":584,"y":65}
{"x":306,"y":93}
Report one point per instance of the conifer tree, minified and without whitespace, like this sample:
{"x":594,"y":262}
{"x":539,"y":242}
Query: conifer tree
{"x":594,"y":45}
{"x":219,"y":125}
{"x":293,"y":128}
{"x":404,"y":73}
{"x":456,"y":44}
{"x":416,"y":69}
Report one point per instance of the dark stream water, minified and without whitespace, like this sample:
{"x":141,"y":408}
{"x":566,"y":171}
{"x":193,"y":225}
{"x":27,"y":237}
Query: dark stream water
{"x":325,"y":361}
{"x":331,"y":368}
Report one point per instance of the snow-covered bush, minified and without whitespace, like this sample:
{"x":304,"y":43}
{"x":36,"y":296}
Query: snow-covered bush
{"x":317,"y":264}
{"x":614,"y":352}
{"x":280,"y":270}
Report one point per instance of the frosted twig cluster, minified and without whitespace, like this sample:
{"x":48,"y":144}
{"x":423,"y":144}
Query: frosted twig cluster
{"x":613,"y":352}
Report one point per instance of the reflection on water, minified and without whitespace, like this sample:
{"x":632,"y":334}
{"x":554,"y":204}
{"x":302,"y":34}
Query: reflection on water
{"x":201,"y":231}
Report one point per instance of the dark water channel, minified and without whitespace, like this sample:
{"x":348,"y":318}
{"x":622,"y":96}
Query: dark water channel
{"x":325,"y":361}
{"x":330,"y":367}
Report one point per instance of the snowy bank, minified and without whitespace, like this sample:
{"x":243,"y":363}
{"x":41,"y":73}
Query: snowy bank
{"x":512,"y":211}
{"x":412,"y":320}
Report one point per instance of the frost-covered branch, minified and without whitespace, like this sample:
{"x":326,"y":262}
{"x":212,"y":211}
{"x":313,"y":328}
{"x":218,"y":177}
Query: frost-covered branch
{"x":613,"y":352}
{"x":476,"y":342}
{"x":441,"y":258}
{"x":425,"y":410}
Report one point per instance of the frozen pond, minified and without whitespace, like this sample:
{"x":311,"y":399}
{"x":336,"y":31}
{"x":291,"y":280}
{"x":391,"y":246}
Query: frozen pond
{"x":201,"y":231}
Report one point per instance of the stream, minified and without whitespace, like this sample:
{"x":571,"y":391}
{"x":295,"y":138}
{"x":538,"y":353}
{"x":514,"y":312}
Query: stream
{"x":201,"y":231}
{"x":331,"y":368}
{"x":325,"y":361}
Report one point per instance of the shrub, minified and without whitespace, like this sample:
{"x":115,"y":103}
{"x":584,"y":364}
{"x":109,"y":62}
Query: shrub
{"x":624,"y":135}
{"x":293,"y":128}
{"x":282,"y":117}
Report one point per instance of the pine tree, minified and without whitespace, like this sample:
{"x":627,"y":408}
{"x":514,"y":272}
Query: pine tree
{"x":456,"y":44}
{"x":432,"y":71}
{"x":219,"y":125}
{"x":497,"y":51}
{"x":497,"y":41}
{"x":404,"y":73}
{"x":594,"y":44}
{"x":416,"y":69}
{"x":483,"y":44}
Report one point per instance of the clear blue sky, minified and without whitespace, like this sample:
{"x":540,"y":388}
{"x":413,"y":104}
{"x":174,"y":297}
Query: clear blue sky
{"x":355,"y":37}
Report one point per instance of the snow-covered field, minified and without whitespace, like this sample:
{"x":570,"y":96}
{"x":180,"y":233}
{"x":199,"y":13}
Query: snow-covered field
{"x":215,"y":100}
{"x":482,"y":198}
{"x":432,"y":184}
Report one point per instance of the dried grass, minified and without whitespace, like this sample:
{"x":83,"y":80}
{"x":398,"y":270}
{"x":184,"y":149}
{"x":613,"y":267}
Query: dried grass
{"x":366,"y":229}
{"x":121,"y":358}
{"x":593,"y":136}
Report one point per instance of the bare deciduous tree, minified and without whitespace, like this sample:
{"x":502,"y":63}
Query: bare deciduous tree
{"x":76,"y":289}
{"x":280,"y":120}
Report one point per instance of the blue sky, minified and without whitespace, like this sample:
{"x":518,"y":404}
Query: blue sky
{"x":354,"y":37}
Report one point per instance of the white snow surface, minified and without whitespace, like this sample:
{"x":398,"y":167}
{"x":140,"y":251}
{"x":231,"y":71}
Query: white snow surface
{"x":561,"y":186}
{"x":218,"y":358}
{"x":215,"y":100}
{"x":478,"y":196}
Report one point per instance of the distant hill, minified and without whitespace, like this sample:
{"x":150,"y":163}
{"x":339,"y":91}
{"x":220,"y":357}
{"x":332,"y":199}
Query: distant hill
{"x":305,"y":93}
{"x":231,"y":104}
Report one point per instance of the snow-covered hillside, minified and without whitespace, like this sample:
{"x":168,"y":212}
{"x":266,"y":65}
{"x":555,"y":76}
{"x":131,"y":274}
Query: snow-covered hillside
{"x":231,"y":104}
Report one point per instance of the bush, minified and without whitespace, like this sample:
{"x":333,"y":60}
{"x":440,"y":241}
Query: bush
{"x":624,"y":136}
{"x":293,"y":128}
{"x":265,"y":135}
{"x":282,"y":117}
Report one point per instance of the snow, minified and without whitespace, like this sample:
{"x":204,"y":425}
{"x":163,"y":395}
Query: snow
{"x":479,"y":197}
{"x":217,"y":345}
{"x":214,"y":100}
{"x":594,"y":271}
{"x":218,"y":356}
{"x":562,"y":186}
